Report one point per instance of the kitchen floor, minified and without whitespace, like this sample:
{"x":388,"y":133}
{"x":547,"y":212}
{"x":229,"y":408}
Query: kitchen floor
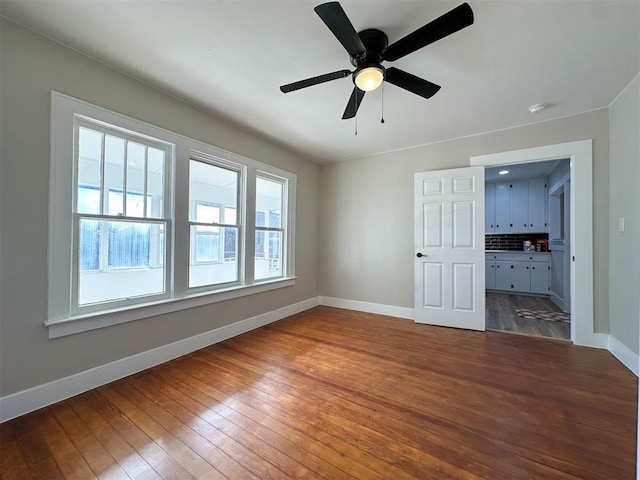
{"x":502,"y":316}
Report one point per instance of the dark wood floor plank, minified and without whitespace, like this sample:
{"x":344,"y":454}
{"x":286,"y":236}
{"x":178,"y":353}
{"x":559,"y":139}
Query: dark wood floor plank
{"x":69,"y":459}
{"x":34,"y":449}
{"x":377,"y":416}
{"x":130,"y":460}
{"x":191,"y":411}
{"x":246,"y":418}
{"x":448,"y":427}
{"x":337,"y":394}
{"x":98,"y":459}
{"x":212,"y":445}
{"x":285,"y":427}
{"x":168,"y":441}
{"x":160,"y":460}
{"x":12,"y":462}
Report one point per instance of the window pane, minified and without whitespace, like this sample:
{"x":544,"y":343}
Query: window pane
{"x":268,"y":262}
{"x":155,"y":182}
{"x":207,"y":247}
{"x":89,"y":255}
{"x":269,"y":196}
{"x":89,"y":168}
{"x":135,"y":179}
{"x":132,"y":268}
{"x":210,"y":262}
{"x":230,"y":216}
{"x":211,"y":185}
{"x":114,"y":172}
{"x":88,"y":199}
{"x":213,"y":195}
{"x":230,"y":244}
{"x":129,"y":245}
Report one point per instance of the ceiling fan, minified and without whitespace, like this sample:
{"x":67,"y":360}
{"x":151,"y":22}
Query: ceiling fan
{"x":369,"y":48}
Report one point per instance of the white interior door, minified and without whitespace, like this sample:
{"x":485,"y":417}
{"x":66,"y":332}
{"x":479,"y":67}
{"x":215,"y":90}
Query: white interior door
{"x":449,"y":248}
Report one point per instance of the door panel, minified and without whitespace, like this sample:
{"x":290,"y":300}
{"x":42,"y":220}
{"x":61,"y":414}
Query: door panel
{"x":449,"y":236}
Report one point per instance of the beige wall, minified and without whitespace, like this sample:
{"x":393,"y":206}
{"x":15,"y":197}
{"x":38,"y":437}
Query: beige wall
{"x":366,"y":217}
{"x":31,"y":66}
{"x":624,"y":187}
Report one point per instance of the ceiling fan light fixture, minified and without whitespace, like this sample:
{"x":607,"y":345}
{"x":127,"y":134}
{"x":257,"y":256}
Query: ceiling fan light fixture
{"x":369,"y":78}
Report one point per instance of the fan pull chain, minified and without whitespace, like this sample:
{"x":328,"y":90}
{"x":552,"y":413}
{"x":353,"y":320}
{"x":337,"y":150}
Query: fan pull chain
{"x":382,"y":104}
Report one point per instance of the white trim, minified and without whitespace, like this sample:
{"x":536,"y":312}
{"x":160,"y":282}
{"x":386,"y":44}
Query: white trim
{"x":582,"y":286}
{"x":623,"y":353}
{"x":63,"y":316}
{"x":20,"y":403}
{"x":390,"y":310}
{"x":92,"y":321}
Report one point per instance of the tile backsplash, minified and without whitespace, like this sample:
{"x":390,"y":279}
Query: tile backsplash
{"x":511,"y":241}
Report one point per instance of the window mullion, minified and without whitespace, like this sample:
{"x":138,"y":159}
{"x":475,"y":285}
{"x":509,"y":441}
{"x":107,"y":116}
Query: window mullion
{"x":125,"y":178}
{"x":145,"y":180}
{"x":102,"y":173}
{"x":250,"y":226}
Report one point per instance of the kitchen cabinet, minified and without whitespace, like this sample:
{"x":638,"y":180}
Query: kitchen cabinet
{"x":540,"y":277}
{"x":502,"y":207}
{"x":489,"y":207}
{"x":519,"y":221}
{"x":517,"y":272}
{"x":503,"y":275}
{"x":519,"y":206}
{"x":490,"y":274}
{"x":538,"y":198}
{"x":521,"y":276}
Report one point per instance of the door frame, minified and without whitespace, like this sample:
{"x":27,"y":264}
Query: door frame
{"x":580,"y":154}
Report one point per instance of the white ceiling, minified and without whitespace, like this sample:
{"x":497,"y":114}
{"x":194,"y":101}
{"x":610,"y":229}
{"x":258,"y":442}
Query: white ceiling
{"x":230,"y":57}
{"x":521,"y":170}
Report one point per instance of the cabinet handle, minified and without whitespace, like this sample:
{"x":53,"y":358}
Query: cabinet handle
{"x":531,"y":224}
{"x":511,"y":224}
{"x":526,"y":225}
{"x":511,"y":266}
{"x":497,"y":226}
{"x":533,"y":268}
{"x":527,"y":268}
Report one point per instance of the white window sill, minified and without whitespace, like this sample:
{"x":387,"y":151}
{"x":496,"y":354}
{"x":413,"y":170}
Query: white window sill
{"x":92,"y":321}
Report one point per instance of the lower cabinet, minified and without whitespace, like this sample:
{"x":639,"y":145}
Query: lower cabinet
{"x":517,"y":272}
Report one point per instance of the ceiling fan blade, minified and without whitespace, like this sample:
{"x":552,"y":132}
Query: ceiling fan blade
{"x":327,"y":77}
{"x":414,"y":84}
{"x":354,"y":103}
{"x":452,"y":21}
{"x":334,"y":17}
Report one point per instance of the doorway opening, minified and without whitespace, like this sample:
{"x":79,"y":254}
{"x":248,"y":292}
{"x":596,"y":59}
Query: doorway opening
{"x":527,"y":217}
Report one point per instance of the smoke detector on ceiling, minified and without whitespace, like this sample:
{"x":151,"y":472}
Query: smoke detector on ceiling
{"x":537,"y":107}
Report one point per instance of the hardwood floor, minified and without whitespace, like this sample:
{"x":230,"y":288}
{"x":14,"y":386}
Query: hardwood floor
{"x":501,"y":315}
{"x":337,"y":394}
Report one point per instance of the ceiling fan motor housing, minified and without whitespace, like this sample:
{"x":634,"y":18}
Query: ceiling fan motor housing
{"x":375,"y":41}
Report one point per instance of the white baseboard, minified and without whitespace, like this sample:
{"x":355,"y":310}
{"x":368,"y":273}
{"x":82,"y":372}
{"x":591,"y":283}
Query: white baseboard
{"x":16,"y":404}
{"x":557,"y":300}
{"x":623,"y":353}
{"x":390,"y":310}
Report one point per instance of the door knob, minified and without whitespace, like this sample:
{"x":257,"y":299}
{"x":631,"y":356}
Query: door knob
{"x":420,"y":255}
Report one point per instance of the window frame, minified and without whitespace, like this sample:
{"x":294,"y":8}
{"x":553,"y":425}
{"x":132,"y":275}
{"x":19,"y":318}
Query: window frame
{"x":163,"y":218}
{"x":62,"y":317}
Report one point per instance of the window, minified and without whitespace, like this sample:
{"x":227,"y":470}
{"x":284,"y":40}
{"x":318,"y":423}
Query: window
{"x":144,"y":221}
{"x":269,"y":227}
{"x":118,"y":212}
{"x":213,"y":200}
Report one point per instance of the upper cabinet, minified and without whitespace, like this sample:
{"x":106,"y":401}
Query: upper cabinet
{"x":516,"y":207}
